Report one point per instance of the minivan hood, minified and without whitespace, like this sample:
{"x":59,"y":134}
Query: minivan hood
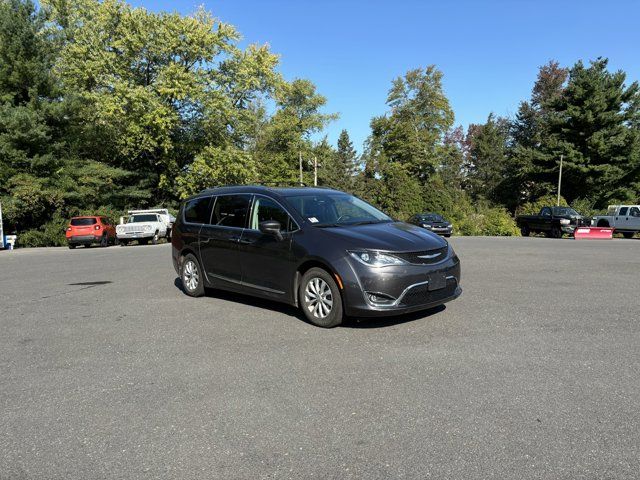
{"x":392,"y":236}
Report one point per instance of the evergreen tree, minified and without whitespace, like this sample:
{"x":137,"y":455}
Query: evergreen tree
{"x":339,"y":170}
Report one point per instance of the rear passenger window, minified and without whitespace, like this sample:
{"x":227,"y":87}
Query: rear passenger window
{"x":265,"y":209}
{"x":197,"y":210}
{"x":623,"y":211}
{"x":231,"y":211}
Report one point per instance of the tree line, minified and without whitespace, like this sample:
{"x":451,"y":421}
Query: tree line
{"x":106,"y":107}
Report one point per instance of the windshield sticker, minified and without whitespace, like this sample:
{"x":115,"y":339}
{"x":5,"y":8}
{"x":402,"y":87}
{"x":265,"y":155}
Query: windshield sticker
{"x":313,"y":219}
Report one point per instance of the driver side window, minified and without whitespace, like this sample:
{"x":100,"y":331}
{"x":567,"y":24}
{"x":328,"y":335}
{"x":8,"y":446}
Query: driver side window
{"x":265,"y":209}
{"x":634,"y":212}
{"x":546,"y":212}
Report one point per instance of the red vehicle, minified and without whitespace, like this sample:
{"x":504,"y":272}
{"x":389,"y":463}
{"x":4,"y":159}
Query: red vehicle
{"x":88,"y":230}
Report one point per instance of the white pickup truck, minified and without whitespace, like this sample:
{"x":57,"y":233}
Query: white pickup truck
{"x":145,"y":226}
{"x":624,"y":219}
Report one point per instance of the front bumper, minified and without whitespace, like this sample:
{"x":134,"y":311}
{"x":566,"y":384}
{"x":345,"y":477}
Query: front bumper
{"x":134,"y":235}
{"x":406,"y":287}
{"x":440,"y":230}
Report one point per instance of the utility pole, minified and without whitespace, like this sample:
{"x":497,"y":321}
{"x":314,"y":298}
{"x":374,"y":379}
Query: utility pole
{"x":315,"y":171}
{"x":1,"y":231}
{"x":559,"y":181}
{"x":300,"y":157}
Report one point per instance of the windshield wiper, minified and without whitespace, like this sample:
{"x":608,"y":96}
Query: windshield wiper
{"x":367,"y":222}
{"x":328,"y":225}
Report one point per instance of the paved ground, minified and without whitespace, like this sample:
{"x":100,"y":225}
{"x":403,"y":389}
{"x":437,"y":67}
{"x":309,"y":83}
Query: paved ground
{"x":107,"y":370}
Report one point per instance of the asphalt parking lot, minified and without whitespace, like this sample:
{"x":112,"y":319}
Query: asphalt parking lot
{"x":107,"y":370}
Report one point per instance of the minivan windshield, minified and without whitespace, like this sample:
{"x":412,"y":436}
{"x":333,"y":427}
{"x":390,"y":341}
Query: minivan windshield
{"x":143,"y":218}
{"x":335,"y":209}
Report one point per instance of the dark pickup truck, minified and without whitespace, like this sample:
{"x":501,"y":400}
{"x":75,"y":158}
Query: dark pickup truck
{"x":553,"y":221}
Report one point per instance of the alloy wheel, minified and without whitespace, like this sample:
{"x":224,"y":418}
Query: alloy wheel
{"x":318,"y":298}
{"x":190,"y":276}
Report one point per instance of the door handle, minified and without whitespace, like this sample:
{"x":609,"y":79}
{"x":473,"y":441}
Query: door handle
{"x":234,"y":239}
{"x":246,"y":241}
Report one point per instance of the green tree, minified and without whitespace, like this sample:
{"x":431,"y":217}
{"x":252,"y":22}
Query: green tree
{"x":487,"y":158}
{"x":339,"y":169}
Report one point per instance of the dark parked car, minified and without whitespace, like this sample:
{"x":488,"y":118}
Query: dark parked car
{"x":326,"y":251}
{"x":553,"y":221}
{"x":433,"y":222}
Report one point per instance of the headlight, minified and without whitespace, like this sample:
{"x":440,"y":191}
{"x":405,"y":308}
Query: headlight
{"x":565,"y":221}
{"x":376,"y":259}
{"x":119,"y":228}
{"x":147,"y":228}
{"x":424,"y":225}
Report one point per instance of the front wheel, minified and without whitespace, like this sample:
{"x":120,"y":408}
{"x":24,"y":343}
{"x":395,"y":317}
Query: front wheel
{"x":320,"y":298}
{"x":154,"y":240}
{"x":191,"y":276}
{"x":524,"y":230}
{"x":104,"y":241}
{"x":556,"y":232}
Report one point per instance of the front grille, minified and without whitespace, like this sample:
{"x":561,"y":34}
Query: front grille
{"x":431,"y":256}
{"x":420,"y":295}
{"x":133,"y":229}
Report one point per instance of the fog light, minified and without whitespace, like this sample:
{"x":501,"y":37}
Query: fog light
{"x":380,"y":298}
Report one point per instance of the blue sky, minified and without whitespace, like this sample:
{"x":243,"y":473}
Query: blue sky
{"x":489,"y":52}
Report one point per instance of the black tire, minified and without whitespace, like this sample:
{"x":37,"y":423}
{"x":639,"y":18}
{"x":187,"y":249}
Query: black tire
{"x":143,"y":241}
{"x":603,"y":223}
{"x":447,"y":235}
{"x":628,"y":234}
{"x":116,"y":241}
{"x":168,"y":235}
{"x":192,"y":277}
{"x":320,"y":299}
{"x":556,"y":232}
{"x":104,"y":241}
{"x":123,"y":243}
{"x":72,"y":246}
{"x":524,"y":230}
{"x":86,"y":245}
{"x":154,"y":240}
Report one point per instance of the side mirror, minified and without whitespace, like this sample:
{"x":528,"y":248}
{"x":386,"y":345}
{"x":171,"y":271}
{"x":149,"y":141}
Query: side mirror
{"x":271,"y":227}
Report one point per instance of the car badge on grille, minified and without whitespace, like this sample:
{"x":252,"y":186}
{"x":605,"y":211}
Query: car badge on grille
{"x":429,"y":256}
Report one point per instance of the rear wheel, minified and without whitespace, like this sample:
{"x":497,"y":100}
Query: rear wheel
{"x":320,"y":298}
{"x":104,"y":241}
{"x":191,"y":276}
{"x":524,"y":230}
{"x":627,"y":234}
